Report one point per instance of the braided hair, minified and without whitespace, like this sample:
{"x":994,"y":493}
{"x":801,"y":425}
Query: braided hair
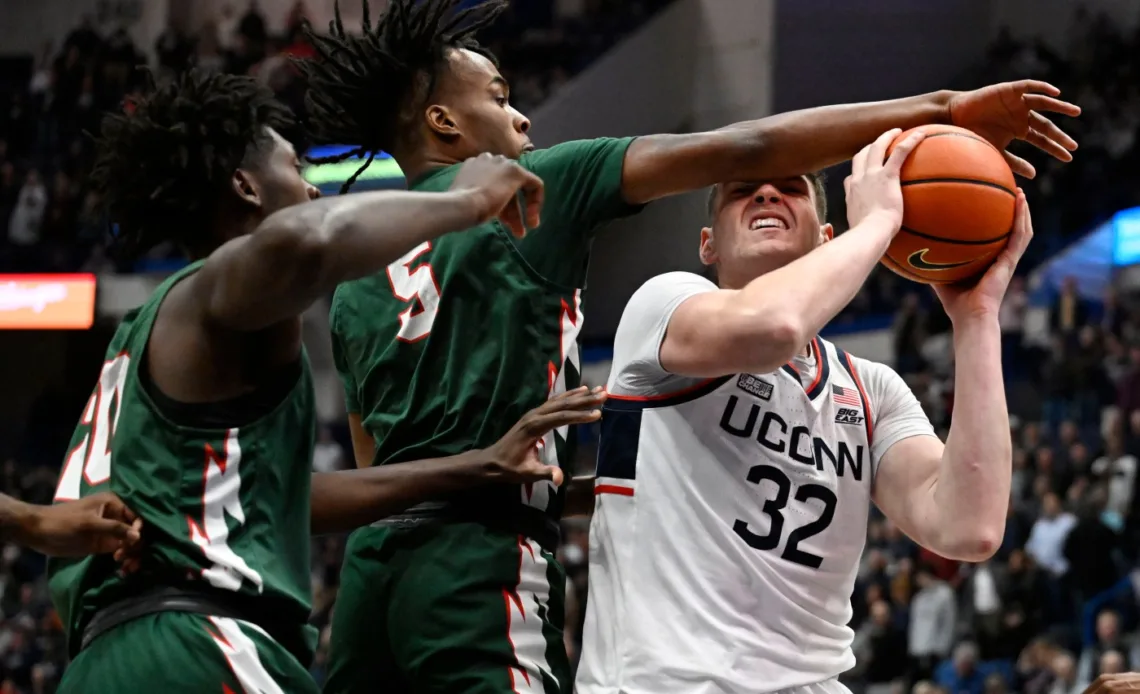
{"x":162,"y":165}
{"x":368,"y":88}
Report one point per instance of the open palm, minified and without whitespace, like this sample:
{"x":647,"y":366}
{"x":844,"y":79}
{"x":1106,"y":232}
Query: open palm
{"x":1010,"y":111}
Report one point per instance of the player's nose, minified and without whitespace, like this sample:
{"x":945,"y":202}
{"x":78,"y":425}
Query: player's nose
{"x":314,"y":192}
{"x":766,"y":193}
{"x":522,"y":123}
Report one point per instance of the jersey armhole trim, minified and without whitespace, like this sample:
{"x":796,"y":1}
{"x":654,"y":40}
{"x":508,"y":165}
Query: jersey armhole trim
{"x":643,"y":402}
{"x":849,"y":366}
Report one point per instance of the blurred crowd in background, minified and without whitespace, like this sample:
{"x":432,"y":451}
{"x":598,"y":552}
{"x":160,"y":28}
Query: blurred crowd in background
{"x":1056,"y":607}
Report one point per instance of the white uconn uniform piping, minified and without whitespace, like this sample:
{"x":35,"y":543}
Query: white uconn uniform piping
{"x":731,"y":514}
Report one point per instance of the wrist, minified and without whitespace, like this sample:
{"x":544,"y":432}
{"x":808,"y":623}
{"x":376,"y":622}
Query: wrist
{"x":472,"y":205}
{"x":480,"y":465}
{"x":882,"y":224}
{"x":975,"y":321}
{"x":18,"y":521}
{"x":942,"y":105}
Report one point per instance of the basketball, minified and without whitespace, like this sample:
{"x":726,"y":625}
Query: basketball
{"x":958,"y":204}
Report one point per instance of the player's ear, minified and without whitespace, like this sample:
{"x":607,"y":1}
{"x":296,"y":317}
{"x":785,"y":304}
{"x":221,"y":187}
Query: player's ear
{"x":245,"y":187}
{"x":708,"y":247}
{"x":439,"y":119}
{"x":826,"y":233}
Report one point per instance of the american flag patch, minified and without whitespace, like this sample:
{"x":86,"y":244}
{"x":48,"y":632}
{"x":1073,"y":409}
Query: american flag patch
{"x":845,"y":396}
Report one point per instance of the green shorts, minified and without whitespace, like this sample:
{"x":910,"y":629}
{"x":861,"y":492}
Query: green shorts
{"x":184,"y":653}
{"x":453,"y":608}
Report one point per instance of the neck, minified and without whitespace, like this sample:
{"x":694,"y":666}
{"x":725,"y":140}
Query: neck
{"x":416,"y":162}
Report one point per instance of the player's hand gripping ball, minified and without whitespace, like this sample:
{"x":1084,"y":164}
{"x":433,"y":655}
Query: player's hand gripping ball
{"x":958,"y":204}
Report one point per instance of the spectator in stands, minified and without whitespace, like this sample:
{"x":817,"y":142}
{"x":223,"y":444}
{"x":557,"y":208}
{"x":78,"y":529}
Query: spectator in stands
{"x":1109,"y":640}
{"x":1047,"y":538}
{"x":962,"y":674}
{"x":28,"y":215}
{"x":933,"y":615}
{"x":1117,"y":469}
{"x":1065,"y":675}
{"x":1070,"y":311}
{"x":1091,"y":549}
{"x":877,"y":646}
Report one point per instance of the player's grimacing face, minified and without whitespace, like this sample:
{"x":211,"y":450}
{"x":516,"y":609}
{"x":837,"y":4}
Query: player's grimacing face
{"x":775,"y":221}
{"x":478,"y":99}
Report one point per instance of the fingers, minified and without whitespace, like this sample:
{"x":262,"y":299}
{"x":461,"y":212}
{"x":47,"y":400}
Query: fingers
{"x":1051,"y":130}
{"x":1020,"y":166}
{"x":577,"y":398}
{"x":1046,"y":145}
{"x":112,"y":507}
{"x":877,"y":152}
{"x":902,"y":151}
{"x":859,"y":162}
{"x":135,"y":533}
{"x":1026,"y":86}
{"x":1022,"y":229}
{"x":108,"y":534}
{"x":534,"y":192}
{"x":511,"y":217}
{"x":541,"y":425}
{"x":1037,"y":102}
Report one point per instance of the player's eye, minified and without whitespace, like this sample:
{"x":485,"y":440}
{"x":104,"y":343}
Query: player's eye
{"x":501,"y":100}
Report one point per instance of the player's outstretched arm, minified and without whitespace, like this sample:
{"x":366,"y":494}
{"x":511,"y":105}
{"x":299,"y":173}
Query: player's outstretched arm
{"x":95,"y":524}
{"x":302,"y":252}
{"x":953,"y":499}
{"x":344,"y":501}
{"x":799,"y":142}
{"x":762,"y":326}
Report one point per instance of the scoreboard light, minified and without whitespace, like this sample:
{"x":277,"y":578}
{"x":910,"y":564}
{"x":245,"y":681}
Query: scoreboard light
{"x":47,"y":302}
{"x":383,"y":169}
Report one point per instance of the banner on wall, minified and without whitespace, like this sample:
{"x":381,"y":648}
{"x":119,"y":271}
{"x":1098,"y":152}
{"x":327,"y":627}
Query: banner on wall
{"x":47,"y":302}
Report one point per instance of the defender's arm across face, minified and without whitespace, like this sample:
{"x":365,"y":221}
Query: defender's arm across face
{"x":791,"y":144}
{"x":763,"y":325}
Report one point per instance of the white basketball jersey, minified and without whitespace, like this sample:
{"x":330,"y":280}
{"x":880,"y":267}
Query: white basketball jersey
{"x":730,"y":520}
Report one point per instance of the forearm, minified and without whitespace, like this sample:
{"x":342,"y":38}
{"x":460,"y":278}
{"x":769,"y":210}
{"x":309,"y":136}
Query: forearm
{"x":787,"y":144}
{"x":346,"y":500}
{"x":971,"y":492}
{"x":364,"y":236}
{"x":302,"y":252}
{"x":16,"y":518}
{"x":786,"y":307}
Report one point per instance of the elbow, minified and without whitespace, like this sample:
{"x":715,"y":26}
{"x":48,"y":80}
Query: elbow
{"x":764,"y":340}
{"x":302,"y":248}
{"x":974,"y":545}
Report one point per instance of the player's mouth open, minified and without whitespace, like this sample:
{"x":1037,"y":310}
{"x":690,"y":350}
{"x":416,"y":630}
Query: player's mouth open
{"x":768,"y":221}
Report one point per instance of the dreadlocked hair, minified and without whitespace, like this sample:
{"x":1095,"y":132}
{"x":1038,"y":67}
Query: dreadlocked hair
{"x":369,"y":88}
{"x":162,"y":166}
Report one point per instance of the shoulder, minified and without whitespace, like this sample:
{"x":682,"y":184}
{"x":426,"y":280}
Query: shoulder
{"x":637,"y":367}
{"x":658,"y":297}
{"x":879,"y":380}
{"x":575,"y":152}
{"x":672,"y":284}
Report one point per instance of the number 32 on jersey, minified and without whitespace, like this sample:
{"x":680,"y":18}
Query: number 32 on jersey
{"x":418,"y":286}
{"x":90,"y":460}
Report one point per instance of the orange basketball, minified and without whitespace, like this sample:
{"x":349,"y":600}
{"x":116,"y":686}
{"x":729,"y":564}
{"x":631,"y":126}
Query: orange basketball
{"x":958,"y":197}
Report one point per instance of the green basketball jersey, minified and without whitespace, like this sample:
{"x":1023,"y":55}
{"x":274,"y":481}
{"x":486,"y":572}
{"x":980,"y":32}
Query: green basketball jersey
{"x":224,"y":509}
{"x":448,"y":348}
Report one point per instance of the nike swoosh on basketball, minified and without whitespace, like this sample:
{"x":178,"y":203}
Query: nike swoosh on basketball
{"x":918,"y":261}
